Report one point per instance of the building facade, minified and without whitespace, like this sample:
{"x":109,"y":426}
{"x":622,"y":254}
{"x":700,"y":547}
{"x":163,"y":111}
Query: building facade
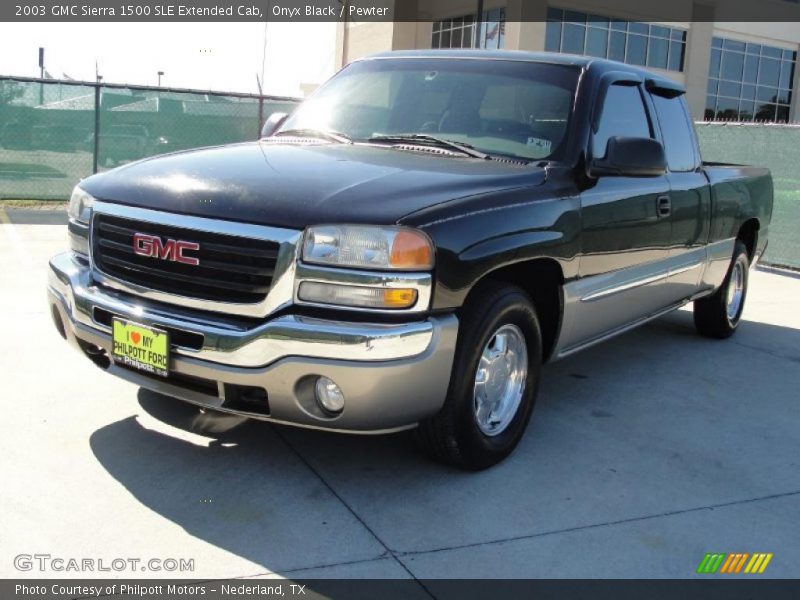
{"x":732,"y":70}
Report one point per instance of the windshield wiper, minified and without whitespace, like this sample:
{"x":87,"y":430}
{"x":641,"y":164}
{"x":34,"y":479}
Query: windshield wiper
{"x":431,"y":140}
{"x":326,"y":134}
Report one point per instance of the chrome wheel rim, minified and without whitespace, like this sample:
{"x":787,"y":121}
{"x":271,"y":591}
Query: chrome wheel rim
{"x":735,"y":291}
{"x":500,"y":380}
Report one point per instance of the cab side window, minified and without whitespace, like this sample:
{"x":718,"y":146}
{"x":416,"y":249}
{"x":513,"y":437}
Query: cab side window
{"x":677,"y":132}
{"x":623,"y":116}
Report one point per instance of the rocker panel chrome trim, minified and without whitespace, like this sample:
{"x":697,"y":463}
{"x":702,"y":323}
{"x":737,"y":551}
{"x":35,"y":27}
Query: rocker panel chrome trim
{"x":579,"y":295}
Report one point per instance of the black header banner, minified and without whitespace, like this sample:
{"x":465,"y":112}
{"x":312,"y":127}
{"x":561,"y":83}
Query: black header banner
{"x":382,"y":10}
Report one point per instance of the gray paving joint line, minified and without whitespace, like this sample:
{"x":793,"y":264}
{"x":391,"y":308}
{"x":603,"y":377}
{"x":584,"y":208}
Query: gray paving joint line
{"x":766,"y":351}
{"x":399,"y":555}
{"x":345,"y":563}
{"x":599,"y":525}
{"x":387,"y":551}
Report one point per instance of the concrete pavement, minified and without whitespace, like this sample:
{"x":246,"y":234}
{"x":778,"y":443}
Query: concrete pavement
{"x":643,"y":454}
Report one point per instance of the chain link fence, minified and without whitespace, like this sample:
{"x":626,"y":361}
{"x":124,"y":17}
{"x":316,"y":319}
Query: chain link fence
{"x":773,"y":146}
{"x":54,"y":133}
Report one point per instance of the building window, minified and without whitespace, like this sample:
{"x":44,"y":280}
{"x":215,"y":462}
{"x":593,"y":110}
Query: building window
{"x":466,"y":32}
{"x":749,"y":82}
{"x":626,"y":41}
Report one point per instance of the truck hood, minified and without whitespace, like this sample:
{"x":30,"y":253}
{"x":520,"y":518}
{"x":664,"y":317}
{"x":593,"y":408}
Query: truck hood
{"x":296,"y":185}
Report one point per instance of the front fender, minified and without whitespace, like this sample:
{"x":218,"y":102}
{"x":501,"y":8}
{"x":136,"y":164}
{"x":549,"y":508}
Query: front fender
{"x":503,"y":232}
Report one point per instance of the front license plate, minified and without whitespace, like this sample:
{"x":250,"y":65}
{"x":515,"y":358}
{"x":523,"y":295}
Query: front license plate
{"x":141,"y":347}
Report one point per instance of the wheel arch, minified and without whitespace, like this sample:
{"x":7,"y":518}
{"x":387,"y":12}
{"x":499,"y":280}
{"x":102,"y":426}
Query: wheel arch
{"x":542,"y":279}
{"x":748,"y":235}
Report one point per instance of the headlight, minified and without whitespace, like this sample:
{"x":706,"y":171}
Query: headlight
{"x":80,"y":206}
{"x":366,"y":247}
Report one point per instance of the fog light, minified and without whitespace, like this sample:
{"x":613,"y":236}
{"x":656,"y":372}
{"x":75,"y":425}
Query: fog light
{"x":329,"y":395}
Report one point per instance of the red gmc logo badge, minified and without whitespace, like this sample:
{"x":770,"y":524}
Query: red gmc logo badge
{"x":153,"y":247}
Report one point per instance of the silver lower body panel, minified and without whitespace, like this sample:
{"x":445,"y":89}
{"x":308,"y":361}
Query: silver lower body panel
{"x":602,"y":306}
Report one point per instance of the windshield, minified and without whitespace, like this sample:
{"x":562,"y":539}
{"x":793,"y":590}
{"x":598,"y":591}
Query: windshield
{"x":513,"y":108}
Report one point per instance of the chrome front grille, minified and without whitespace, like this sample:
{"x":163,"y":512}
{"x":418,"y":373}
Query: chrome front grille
{"x":229,"y":269}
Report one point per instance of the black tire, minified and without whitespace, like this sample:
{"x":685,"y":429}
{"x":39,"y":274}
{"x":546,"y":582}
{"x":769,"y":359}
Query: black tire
{"x":711,"y":316}
{"x":453,"y":435}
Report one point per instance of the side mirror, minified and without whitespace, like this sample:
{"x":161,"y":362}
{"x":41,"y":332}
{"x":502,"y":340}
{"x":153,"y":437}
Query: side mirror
{"x":273,"y":122}
{"x":631,"y":157}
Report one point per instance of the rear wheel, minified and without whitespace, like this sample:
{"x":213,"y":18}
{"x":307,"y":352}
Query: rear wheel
{"x":493,"y":383}
{"x":719,"y":315}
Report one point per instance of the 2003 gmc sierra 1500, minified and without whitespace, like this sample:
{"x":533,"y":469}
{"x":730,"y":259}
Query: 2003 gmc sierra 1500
{"x":407,"y":248}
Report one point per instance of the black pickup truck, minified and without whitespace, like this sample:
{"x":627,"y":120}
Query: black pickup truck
{"x":408,"y":247}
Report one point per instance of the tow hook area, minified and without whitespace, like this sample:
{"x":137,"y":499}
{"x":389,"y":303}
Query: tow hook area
{"x":96,"y":354}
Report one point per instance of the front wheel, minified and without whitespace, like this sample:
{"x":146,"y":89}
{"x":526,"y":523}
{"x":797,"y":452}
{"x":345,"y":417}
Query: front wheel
{"x":719,"y":314}
{"x":493,"y":383}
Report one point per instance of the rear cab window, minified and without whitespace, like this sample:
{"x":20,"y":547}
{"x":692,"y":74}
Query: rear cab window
{"x":676,"y":130}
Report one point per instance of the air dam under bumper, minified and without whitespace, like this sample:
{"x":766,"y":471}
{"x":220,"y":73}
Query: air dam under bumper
{"x":391,"y":375}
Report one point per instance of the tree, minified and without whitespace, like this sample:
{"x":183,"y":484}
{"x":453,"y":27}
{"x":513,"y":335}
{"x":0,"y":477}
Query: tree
{"x":10,"y":91}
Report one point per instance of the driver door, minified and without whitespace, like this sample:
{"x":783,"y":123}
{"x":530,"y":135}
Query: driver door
{"x":625,"y":234}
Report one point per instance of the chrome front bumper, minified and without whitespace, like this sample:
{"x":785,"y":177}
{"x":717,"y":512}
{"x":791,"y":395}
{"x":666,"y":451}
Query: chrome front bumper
{"x":392,"y":375}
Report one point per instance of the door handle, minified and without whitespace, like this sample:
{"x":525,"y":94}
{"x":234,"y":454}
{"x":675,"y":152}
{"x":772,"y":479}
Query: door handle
{"x":663,"y":206}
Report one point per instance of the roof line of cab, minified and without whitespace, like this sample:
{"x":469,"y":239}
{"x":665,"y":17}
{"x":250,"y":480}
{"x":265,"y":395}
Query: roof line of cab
{"x":555,"y":58}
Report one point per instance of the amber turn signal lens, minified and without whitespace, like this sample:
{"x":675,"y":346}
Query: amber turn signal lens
{"x":399,"y":298}
{"x":356,"y":295}
{"x":411,"y":250}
